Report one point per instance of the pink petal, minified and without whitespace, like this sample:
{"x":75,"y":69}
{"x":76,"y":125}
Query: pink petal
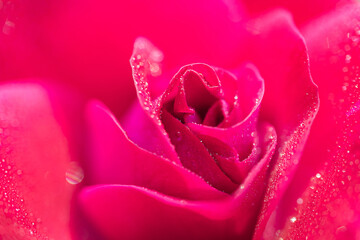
{"x":331,"y":184}
{"x":216,"y":114}
{"x":290,"y":102}
{"x":34,"y":160}
{"x":117,"y":160}
{"x":124,"y":212}
{"x":121,"y":211}
{"x":228,"y":158}
{"x":193,"y":154}
{"x":250,"y":86}
{"x":143,"y":61}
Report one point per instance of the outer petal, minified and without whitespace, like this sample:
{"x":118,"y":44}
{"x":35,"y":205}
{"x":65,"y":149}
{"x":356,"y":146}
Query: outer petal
{"x":290,"y":102}
{"x":121,"y":211}
{"x":330,"y":203}
{"x":34,"y":157}
{"x":303,"y":11}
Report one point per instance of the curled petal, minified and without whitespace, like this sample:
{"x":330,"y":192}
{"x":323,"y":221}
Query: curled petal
{"x":193,"y":154}
{"x":117,"y":160}
{"x":145,"y":57}
{"x":247,"y":99}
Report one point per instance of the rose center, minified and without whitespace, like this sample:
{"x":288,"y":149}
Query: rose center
{"x":197,"y":97}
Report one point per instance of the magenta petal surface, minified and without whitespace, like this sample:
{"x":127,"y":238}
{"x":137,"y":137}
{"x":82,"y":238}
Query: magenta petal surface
{"x":134,"y":212}
{"x":34,"y":162}
{"x":330,"y":202}
{"x":123,"y":211}
{"x":290,"y":102}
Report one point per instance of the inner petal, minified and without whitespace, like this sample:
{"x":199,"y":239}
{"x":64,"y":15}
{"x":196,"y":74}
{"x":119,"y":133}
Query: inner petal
{"x":195,"y":92}
{"x":216,"y":114}
{"x":194,"y":155}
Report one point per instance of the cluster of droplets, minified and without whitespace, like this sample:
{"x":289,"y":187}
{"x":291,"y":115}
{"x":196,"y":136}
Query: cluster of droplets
{"x":289,"y":152}
{"x":346,"y":54}
{"x":329,"y":207}
{"x":145,"y":62}
{"x":333,"y":192}
{"x":13,"y":209}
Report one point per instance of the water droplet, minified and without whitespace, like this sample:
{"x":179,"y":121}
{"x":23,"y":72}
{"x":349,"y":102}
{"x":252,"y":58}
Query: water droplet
{"x":347,"y":58}
{"x":155,"y":69}
{"x":299,"y":201}
{"x":74,"y":174}
{"x":8,"y":27}
{"x":178,"y":136}
{"x":340,"y":230}
{"x":318,"y":175}
{"x":293,"y":219}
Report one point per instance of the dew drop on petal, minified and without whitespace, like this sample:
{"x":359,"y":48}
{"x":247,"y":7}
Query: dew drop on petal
{"x":178,"y":136}
{"x":74,"y":174}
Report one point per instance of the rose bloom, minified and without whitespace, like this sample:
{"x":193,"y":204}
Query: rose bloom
{"x":179,"y":120}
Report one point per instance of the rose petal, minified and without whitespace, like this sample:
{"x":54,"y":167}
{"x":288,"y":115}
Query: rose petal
{"x":124,"y":212}
{"x":117,"y":160}
{"x":239,"y":136}
{"x":34,"y":157}
{"x":194,"y":85}
{"x":216,"y":114}
{"x":193,"y":154}
{"x":332,"y":192}
{"x":228,"y":159}
{"x":290,"y":102}
{"x":120,"y":211}
{"x":145,"y":57}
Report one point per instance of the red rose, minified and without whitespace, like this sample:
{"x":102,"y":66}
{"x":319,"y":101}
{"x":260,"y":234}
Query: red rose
{"x":200,"y":159}
{"x":227,"y":150}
